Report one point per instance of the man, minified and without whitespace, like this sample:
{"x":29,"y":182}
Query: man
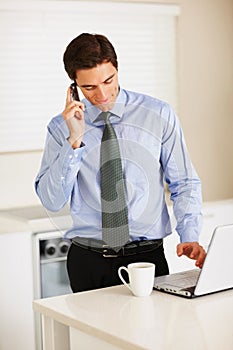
{"x":152,"y":150}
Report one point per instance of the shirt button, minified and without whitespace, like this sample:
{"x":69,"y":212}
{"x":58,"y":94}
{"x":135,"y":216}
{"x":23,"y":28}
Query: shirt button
{"x":70,"y":156}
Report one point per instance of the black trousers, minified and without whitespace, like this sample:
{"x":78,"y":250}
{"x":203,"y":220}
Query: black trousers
{"x":90,"y":270}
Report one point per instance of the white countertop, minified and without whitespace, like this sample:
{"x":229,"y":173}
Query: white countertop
{"x":12,"y":225}
{"x":34,"y":219}
{"x":158,"y":322}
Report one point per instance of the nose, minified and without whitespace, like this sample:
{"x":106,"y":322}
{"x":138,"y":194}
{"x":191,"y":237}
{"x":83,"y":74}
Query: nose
{"x":101,"y":94}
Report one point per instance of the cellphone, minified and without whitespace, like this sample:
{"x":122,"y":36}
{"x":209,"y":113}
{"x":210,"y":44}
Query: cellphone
{"x":74,"y":92}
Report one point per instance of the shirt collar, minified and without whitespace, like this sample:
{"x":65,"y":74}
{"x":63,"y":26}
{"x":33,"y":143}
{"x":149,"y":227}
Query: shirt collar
{"x":93,"y":112}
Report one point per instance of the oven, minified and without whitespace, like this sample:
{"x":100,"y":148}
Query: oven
{"x":50,"y":273}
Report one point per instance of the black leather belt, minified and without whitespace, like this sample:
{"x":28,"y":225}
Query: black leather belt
{"x":132,"y":248}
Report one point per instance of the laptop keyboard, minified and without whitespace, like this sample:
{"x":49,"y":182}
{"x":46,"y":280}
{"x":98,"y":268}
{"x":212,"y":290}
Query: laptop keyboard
{"x":185,"y":279}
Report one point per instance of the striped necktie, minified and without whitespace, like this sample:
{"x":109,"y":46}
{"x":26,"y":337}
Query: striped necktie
{"x":115,"y":229}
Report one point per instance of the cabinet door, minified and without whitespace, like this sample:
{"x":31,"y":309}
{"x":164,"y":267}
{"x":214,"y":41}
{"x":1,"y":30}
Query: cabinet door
{"x":16,"y":292}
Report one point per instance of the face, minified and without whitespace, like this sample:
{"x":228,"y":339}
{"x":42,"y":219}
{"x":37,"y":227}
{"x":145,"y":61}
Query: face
{"x":99,"y":85}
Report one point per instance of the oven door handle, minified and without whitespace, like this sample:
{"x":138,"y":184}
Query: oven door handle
{"x":52,"y":260}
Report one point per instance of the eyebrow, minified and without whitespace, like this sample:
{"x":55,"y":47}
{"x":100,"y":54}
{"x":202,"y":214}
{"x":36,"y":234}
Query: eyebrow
{"x":89,"y":85}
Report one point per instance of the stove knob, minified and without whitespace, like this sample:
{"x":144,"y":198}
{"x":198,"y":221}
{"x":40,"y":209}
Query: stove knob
{"x":50,"y":250}
{"x":64,"y":247}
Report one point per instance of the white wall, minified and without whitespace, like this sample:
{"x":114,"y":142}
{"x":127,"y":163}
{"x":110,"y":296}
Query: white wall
{"x":18,"y":171}
{"x":205,"y":96}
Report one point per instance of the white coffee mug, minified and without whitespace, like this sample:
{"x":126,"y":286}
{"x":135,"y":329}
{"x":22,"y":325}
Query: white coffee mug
{"x":141,"y":278}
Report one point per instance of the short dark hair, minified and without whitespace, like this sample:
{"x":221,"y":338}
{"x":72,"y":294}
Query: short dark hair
{"x":86,"y":51}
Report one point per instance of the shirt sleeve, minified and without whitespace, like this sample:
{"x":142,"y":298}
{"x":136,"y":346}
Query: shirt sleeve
{"x":59,"y":170}
{"x":182,"y":179}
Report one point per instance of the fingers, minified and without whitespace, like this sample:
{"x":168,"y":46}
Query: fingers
{"x":68,"y":97}
{"x":182,"y":249}
{"x":193,"y":251}
{"x":70,"y":102}
{"x":74,"y":109}
{"x":201,"y":258}
{"x":189,"y":249}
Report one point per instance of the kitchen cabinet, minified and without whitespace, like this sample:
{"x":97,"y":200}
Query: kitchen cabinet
{"x":17,"y":263}
{"x":16,"y":292}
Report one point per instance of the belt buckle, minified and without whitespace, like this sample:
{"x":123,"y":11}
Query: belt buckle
{"x":105,"y":253}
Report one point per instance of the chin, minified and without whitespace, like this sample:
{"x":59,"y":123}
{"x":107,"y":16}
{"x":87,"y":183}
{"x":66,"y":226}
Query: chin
{"x":105,"y":106}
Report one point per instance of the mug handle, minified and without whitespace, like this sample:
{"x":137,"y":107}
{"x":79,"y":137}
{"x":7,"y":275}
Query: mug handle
{"x":122,"y":279}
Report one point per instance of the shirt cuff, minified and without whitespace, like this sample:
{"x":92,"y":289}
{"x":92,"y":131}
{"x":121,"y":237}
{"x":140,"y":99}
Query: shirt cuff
{"x":70,"y":158}
{"x":190,"y":234}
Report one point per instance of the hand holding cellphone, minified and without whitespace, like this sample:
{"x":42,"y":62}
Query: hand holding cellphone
{"x":74,"y":116}
{"x":74,"y":92}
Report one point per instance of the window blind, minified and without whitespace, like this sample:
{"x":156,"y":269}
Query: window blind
{"x":33,"y":37}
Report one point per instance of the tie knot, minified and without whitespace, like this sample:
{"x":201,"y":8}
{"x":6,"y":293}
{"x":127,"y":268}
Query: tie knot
{"x":105,"y":116}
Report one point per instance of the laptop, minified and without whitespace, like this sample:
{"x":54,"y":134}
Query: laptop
{"x":216,"y":274}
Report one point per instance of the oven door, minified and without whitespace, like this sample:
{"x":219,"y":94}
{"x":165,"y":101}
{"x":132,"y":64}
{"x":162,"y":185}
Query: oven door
{"x":54,"y":278}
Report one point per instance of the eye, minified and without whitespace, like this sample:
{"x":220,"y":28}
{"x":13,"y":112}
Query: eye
{"x":89,"y":88}
{"x":109,"y":81}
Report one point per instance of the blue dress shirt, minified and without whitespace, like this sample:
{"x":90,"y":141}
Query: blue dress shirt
{"x":153,"y":151}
